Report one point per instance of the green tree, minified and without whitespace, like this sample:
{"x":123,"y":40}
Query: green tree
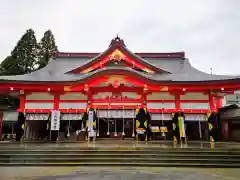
{"x":23,"y":58}
{"x":47,"y":48}
{"x":10,"y":66}
{"x":25,"y":52}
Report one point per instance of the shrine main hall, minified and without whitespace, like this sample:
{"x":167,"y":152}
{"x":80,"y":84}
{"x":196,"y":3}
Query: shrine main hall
{"x":116,"y":82}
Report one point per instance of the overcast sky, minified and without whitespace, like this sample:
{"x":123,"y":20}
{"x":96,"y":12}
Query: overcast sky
{"x":207,"y":30}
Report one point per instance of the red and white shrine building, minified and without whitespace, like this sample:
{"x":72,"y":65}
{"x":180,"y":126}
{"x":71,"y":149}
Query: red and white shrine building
{"x":116,"y":82}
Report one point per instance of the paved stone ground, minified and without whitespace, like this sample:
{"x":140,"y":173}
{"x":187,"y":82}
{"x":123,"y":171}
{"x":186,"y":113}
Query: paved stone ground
{"x":129,"y":143}
{"x":110,"y":173}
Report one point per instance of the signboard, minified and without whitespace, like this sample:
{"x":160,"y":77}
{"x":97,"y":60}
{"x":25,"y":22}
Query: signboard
{"x":55,"y":120}
{"x":163,"y":129}
{"x":154,"y":129}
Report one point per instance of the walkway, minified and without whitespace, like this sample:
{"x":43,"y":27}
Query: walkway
{"x":110,"y":173}
{"x":109,"y":143}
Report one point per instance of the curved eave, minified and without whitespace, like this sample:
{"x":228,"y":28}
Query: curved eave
{"x":148,"y":79}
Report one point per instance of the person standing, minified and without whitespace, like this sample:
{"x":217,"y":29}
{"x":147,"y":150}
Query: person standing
{"x":66,"y":132}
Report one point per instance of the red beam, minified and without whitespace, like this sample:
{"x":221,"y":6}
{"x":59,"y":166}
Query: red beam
{"x":112,"y":100}
{"x":194,"y":111}
{"x":60,"y":101}
{"x":39,"y":101}
{"x":49,"y":110}
{"x":175,"y":110}
{"x":119,"y":89}
{"x":124,"y":100}
{"x":115,"y":107}
{"x":72,"y":101}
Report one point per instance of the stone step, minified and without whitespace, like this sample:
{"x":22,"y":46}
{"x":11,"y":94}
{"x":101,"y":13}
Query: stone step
{"x":127,"y":164}
{"x":107,"y":152}
{"x":118,"y":149}
{"x":146,"y":157}
{"x":122,"y":159}
{"x":76,"y":155}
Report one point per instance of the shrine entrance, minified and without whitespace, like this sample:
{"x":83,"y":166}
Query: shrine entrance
{"x":115,"y":127}
{"x":116,"y":123}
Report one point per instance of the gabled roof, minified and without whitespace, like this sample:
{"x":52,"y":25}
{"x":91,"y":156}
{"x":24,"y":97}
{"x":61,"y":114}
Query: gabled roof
{"x":117,"y":45}
{"x":178,"y":69}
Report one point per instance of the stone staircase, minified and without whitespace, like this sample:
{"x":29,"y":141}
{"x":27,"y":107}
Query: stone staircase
{"x":146,"y":157}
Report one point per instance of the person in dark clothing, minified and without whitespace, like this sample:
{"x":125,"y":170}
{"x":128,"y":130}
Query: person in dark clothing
{"x":66,"y":131}
{"x":20,"y":126}
{"x":149,"y":132}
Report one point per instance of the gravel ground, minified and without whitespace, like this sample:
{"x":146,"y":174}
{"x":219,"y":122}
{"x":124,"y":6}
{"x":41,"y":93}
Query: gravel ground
{"x":114,"y":173}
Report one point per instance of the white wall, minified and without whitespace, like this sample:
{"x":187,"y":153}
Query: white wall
{"x":73,"y":96}
{"x":72,"y":105}
{"x":160,"y":96}
{"x":194,"y":96}
{"x":40,"y":96}
{"x":38,"y":105}
{"x":194,"y":105}
{"x":153,"y":105}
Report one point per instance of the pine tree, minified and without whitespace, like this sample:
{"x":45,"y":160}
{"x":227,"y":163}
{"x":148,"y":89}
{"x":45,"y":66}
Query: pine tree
{"x":23,"y":58}
{"x":9,"y":66}
{"x":47,"y":48}
{"x":25,"y":52}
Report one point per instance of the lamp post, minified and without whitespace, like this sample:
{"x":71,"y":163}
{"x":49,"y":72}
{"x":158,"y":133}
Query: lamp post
{"x":123,"y":132}
{"x":133,"y":129}
{"x":98,"y":123}
{"x":108,"y":133}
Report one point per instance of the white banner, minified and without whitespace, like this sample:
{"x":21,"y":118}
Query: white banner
{"x":91,"y":131}
{"x":55,"y":120}
{"x":90,"y":120}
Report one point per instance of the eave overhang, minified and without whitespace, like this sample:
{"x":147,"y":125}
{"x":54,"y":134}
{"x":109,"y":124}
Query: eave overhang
{"x":144,"y":79}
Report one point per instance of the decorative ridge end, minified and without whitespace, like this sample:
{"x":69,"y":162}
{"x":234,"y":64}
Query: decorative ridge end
{"x":117,"y":41}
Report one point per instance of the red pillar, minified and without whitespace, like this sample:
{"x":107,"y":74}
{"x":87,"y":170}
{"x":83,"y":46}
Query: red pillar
{"x":211,"y":102}
{"x":177,"y":102}
{"x":219,"y":102}
{"x":144,"y":100}
{"x":56,"y":101}
{"x":22,"y":102}
{"x":90,"y":99}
